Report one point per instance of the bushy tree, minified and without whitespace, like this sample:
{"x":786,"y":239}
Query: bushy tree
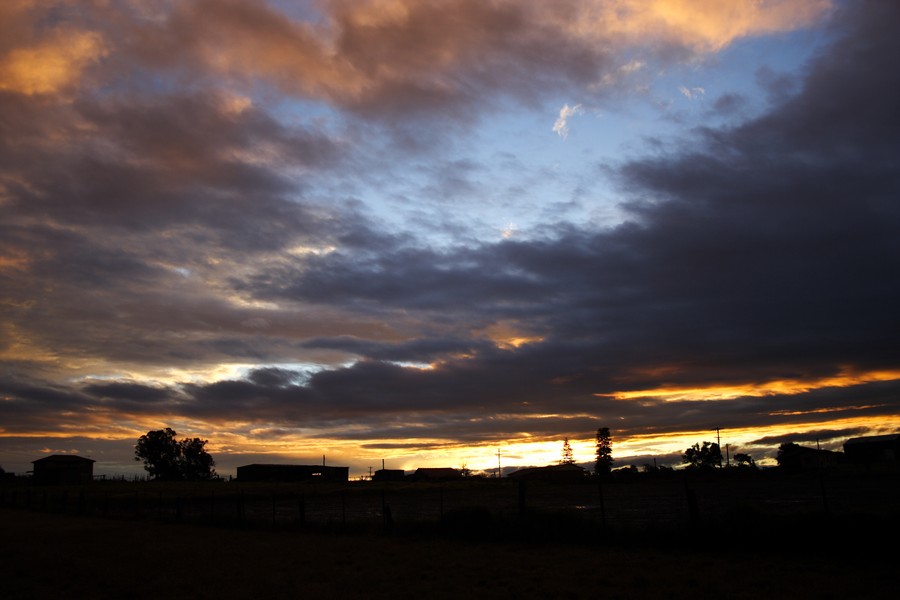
{"x":196,"y":462}
{"x":786,"y":450}
{"x":604,"y":460}
{"x":168,"y":459}
{"x":706,"y":456}
{"x":744,"y":461}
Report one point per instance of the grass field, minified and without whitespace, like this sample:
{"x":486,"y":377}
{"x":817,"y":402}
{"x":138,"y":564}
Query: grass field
{"x":768,"y":536}
{"x":47,"y":555}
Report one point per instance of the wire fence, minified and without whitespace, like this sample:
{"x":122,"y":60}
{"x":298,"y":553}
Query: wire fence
{"x":643,"y":504}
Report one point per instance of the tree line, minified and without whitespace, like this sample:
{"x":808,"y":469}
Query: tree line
{"x":166,"y":458}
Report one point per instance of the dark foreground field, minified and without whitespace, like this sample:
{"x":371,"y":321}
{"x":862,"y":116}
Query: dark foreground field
{"x":50,"y":555}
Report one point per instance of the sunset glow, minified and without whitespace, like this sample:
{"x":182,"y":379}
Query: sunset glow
{"x":769,"y":388}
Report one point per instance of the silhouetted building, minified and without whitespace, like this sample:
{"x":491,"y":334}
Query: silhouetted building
{"x":801,"y":457}
{"x":292,"y":473}
{"x":873,"y":449}
{"x":436,"y":474}
{"x":389,"y":475}
{"x":63,"y":469}
{"x":565,"y":473}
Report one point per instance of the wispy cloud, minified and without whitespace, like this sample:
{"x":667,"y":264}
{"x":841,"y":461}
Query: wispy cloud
{"x":561,"y":125}
{"x":694,"y":93}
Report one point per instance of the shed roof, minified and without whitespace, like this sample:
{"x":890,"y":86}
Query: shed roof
{"x":70,"y":458}
{"x":890,"y":437}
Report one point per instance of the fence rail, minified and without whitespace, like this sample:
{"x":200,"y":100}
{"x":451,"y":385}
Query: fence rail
{"x":663,"y":504}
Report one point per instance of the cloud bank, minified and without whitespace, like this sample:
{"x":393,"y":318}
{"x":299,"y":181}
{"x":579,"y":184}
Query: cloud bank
{"x":187,"y":234}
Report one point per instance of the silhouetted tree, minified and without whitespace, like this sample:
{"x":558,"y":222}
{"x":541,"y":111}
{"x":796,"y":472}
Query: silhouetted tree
{"x":744,"y":461}
{"x":167,"y":459}
{"x":196,"y":463}
{"x":785,"y":450}
{"x":706,"y":456}
{"x":567,"y":458}
{"x":604,"y":460}
{"x":161,"y":453}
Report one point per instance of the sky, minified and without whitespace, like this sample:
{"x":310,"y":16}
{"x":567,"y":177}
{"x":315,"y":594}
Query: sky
{"x":426,"y":233}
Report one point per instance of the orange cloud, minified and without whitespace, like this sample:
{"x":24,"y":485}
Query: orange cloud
{"x":719,"y":392}
{"x":702,"y":25}
{"x":50,"y":65}
{"x":508,"y":335}
{"x":377,"y":51}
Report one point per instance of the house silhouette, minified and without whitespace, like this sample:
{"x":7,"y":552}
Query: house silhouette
{"x":63,"y":469}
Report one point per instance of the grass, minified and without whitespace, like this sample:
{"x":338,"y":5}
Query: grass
{"x":47,"y":555}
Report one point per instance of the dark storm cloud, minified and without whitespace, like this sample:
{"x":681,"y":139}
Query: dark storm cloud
{"x":402,"y":278}
{"x":28,"y":405}
{"x":272,"y":377}
{"x":422,"y":350}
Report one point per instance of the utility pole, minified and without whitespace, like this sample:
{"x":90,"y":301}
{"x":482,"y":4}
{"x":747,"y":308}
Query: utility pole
{"x":498,"y":463}
{"x":727,"y":455}
{"x":719,"y":445}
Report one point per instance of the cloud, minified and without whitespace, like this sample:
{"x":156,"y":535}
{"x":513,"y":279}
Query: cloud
{"x":694,"y":93}
{"x":37,"y":58}
{"x":392,"y":63}
{"x":741,"y":268}
{"x":708,"y":25}
{"x":561,"y":125}
{"x":51,"y":66}
{"x":175,"y":230}
{"x":728,"y":104}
